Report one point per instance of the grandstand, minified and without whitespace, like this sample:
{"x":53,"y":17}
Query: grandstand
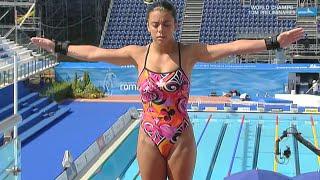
{"x":126,"y":23}
{"x":36,"y":113}
{"x":19,"y":23}
{"x":206,"y":21}
{"x":29,"y":62}
{"x":219,"y":21}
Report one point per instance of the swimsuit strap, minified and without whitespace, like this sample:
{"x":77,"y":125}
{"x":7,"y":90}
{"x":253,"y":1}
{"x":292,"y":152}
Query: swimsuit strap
{"x":145,"y":60}
{"x":179,"y":55}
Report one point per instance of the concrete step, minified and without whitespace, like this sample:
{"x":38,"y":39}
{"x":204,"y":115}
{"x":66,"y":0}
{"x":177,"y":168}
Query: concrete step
{"x":189,"y":41}
{"x":310,"y":31}
{"x":193,"y":16}
{"x":309,"y":28}
{"x":190,"y":38}
{"x":190,"y":31}
{"x":192,"y":19}
{"x":306,"y":22}
{"x":194,"y":1}
{"x":194,"y":7}
{"x":190,"y":28}
{"x":193,"y":13}
{"x":190,"y":35}
{"x":198,"y":25}
{"x":306,"y":25}
{"x":194,"y":34}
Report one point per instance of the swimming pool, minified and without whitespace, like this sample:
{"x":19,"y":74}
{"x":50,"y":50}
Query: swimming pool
{"x":216,"y":136}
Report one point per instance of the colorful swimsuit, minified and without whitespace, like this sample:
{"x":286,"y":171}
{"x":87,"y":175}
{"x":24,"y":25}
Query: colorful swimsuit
{"x":164,"y":97}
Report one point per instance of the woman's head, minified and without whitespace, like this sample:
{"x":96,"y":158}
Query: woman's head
{"x":161,"y":20}
{"x":162,"y":5}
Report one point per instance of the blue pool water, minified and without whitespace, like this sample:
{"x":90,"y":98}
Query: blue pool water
{"x":216,"y":144}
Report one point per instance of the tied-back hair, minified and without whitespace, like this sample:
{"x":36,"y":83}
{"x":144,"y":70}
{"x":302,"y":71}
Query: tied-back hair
{"x":162,"y":5}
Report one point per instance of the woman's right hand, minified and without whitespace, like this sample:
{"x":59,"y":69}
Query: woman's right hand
{"x":44,"y":43}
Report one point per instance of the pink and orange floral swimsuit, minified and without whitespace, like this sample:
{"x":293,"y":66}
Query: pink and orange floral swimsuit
{"x":164,"y":97}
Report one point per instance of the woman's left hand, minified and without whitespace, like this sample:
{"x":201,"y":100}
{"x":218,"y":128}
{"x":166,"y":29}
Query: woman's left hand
{"x":288,"y":37}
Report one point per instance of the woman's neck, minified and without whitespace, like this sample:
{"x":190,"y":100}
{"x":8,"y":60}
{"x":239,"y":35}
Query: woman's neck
{"x":164,"y":48}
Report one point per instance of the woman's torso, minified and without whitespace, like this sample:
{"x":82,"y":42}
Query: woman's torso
{"x":164,"y":96}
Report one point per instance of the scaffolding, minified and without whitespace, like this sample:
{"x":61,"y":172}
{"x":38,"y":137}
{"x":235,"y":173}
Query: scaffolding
{"x":80,"y":21}
{"x":18,"y":20}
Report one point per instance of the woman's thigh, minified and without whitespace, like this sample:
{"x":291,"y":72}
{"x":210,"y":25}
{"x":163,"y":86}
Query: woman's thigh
{"x":151,"y":164}
{"x":182,"y":158}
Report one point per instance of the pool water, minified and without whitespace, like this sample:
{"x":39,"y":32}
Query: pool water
{"x":219,"y":154}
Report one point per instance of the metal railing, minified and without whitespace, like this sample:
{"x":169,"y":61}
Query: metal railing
{"x":26,"y":68}
{"x":105,"y":28}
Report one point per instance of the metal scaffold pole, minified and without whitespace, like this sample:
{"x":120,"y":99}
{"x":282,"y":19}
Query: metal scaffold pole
{"x":15,"y":111}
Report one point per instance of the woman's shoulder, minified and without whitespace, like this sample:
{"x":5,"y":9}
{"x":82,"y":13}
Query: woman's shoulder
{"x":136,"y":48}
{"x":136,"y":52}
{"x":189,"y":46}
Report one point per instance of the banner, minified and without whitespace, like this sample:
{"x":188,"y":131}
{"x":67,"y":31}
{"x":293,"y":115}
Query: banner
{"x":253,"y":79}
{"x":309,"y":11}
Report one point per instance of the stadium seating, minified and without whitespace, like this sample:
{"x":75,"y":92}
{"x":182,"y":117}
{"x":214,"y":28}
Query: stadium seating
{"x":36,"y":112}
{"x":8,"y":49}
{"x":127,"y":23}
{"x":226,"y":20}
{"x":222,"y":21}
{"x":29,"y":62}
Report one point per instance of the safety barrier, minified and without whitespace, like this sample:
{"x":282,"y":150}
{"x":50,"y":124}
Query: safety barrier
{"x":259,"y":107}
{"x":101,"y":144}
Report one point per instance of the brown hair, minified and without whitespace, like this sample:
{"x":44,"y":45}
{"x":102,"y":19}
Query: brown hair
{"x":162,"y":5}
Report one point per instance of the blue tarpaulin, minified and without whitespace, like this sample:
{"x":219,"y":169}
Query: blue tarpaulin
{"x":257,"y":175}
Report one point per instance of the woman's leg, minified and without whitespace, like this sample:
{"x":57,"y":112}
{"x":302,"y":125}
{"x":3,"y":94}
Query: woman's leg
{"x":182,"y":158}
{"x":151,"y":164}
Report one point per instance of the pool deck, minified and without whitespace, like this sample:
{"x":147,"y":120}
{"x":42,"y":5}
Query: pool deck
{"x":86,"y":122}
{"x":136,"y":98}
{"x":218,"y":104}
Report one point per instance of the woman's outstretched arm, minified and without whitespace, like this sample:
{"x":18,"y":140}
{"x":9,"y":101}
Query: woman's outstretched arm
{"x":209,"y":53}
{"x":122,"y":56}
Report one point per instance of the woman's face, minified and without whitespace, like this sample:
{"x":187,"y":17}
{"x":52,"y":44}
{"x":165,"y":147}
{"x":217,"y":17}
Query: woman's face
{"x":161,"y":26}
